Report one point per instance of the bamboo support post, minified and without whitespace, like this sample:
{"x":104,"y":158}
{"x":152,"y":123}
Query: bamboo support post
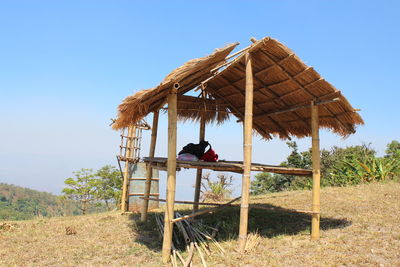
{"x":125,"y":185}
{"x":247,"y":147}
{"x":149,"y":169}
{"x":171,"y":179}
{"x":315,"y":220}
{"x":199,"y":172}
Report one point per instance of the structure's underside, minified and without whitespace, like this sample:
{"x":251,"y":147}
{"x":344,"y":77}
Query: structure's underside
{"x":268,"y":89}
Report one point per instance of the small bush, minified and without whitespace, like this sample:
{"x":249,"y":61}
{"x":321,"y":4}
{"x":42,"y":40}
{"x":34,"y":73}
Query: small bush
{"x":339,"y":167}
{"x":216,"y":190}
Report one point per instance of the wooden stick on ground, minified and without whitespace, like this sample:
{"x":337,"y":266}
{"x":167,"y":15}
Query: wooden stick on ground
{"x":201,"y":254}
{"x":190,"y":255}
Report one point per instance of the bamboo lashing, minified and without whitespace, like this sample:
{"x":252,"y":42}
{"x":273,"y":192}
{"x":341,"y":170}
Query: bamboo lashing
{"x":247,"y":147}
{"x":315,"y":220}
{"x":149,"y":169}
{"x":171,"y":179}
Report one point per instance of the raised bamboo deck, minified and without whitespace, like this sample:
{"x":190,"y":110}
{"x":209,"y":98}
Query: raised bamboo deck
{"x":232,"y":166}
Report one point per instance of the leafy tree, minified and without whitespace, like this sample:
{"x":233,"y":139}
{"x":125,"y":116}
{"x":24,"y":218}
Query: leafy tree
{"x":339,"y":167}
{"x":82,"y":188}
{"x":393,"y":150}
{"x":109,"y":185}
{"x":266,"y":182}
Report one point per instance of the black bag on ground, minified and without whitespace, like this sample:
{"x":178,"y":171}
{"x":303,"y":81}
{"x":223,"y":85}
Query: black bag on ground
{"x":195,"y":149}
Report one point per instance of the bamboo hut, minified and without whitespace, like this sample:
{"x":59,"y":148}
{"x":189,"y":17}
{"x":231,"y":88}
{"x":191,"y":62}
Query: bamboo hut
{"x":268,"y":89}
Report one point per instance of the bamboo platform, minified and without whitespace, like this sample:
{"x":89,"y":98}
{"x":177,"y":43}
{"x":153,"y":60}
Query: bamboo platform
{"x":231,"y":166}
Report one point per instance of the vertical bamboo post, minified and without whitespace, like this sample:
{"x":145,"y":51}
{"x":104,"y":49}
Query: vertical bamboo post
{"x":199,"y":172}
{"x":247,"y":148}
{"x":316,"y":172}
{"x":171,"y":168}
{"x":128,"y":153}
{"x":149,"y":169}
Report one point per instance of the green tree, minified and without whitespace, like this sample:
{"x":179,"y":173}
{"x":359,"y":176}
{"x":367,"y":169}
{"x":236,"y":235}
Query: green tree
{"x":265,"y":182}
{"x":109,"y":185}
{"x":393,"y":150}
{"x":82,"y":188}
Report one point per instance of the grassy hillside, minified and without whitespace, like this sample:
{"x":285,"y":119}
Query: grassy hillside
{"x":19,"y":203}
{"x":360,"y":227}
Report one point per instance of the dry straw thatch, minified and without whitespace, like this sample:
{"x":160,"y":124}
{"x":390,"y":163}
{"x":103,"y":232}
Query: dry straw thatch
{"x":192,"y":108}
{"x":189,"y":75}
{"x":284,"y":87}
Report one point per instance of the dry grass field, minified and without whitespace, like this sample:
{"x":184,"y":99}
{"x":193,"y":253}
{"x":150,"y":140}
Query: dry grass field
{"x":360,"y":227}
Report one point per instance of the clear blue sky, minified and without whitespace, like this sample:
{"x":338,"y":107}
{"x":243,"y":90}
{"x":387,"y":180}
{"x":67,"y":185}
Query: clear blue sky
{"x":66,"y":65}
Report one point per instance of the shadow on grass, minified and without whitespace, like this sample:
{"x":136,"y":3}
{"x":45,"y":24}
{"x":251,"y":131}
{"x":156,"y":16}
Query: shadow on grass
{"x":268,"y":223}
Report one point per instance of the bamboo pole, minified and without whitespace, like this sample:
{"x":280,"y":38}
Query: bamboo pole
{"x":149,"y":169}
{"x":188,"y":202}
{"x":171,"y":180}
{"x":199,"y":172}
{"x":204,"y":211}
{"x":294,"y":108}
{"x":247,"y":146}
{"x":128,"y":153}
{"x":315,"y":220}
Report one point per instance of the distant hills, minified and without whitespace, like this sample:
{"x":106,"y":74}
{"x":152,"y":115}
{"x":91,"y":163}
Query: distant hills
{"x":19,"y":203}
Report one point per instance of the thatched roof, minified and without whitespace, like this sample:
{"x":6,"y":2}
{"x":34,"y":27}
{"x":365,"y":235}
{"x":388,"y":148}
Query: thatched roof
{"x":191,"y":108}
{"x":284,"y":86}
{"x":189,"y":75}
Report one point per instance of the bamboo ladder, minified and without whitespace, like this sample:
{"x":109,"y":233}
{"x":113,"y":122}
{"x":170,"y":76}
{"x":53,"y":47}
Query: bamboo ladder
{"x":129,"y":153}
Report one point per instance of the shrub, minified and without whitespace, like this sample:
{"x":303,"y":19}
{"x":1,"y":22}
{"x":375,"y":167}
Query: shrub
{"x":216,"y":190}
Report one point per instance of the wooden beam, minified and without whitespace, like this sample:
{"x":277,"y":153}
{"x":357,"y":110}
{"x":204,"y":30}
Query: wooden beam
{"x":295,"y":108}
{"x":128,"y":154}
{"x":247,"y":149}
{"x":171,"y":179}
{"x":203,"y":211}
{"x":149,"y":169}
{"x":241,"y":79}
{"x":233,"y":166}
{"x":303,"y":71}
{"x":315,"y":220}
{"x":188,"y":202}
